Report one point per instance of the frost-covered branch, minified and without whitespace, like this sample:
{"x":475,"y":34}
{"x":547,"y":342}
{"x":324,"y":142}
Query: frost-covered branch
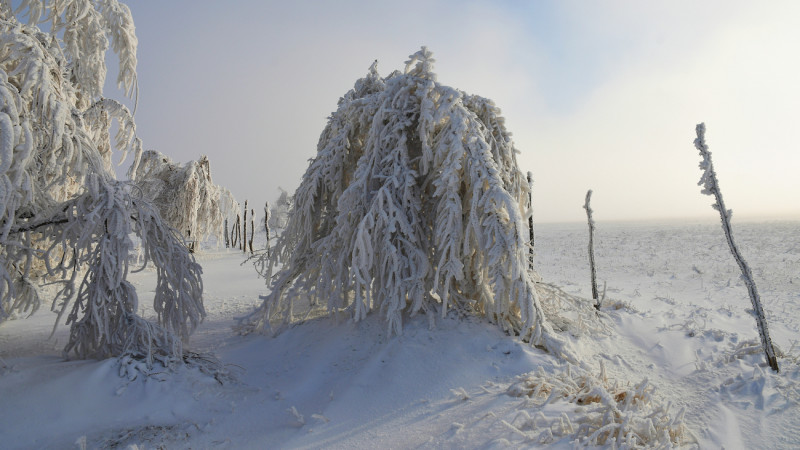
{"x":711,"y":187}
{"x":86,"y":26}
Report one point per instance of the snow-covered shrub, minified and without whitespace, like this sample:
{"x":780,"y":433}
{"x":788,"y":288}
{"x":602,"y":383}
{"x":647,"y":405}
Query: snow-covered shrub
{"x":63,"y":216}
{"x":413,"y":204}
{"x":607,"y":413}
{"x":186,"y":197}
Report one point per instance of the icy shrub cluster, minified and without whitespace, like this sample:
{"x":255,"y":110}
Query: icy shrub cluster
{"x":606,"y":413}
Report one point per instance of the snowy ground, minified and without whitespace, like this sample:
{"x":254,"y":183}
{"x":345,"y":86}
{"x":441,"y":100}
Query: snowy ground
{"x":676,"y":316}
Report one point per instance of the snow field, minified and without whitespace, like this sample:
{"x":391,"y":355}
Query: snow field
{"x":673,"y":357}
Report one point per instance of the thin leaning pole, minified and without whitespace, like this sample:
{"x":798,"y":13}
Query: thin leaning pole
{"x":711,"y":187}
{"x":588,"y":209}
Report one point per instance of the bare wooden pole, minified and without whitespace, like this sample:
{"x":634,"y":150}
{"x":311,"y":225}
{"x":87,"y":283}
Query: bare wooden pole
{"x":588,"y":209}
{"x":233,"y":234}
{"x":238,"y":230}
{"x":266,"y":223}
{"x":227,"y":239}
{"x":711,"y":187}
{"x":530,"y":220}
{"x":244,"y":229}
{"x":252,"y":230}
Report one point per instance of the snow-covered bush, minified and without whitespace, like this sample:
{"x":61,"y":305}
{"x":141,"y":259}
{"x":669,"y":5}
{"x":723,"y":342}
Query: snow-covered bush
{"x":63,"y":215}
{"x":611,"y":414}
{"x":186,"y":197}
{"x":413,"y":204}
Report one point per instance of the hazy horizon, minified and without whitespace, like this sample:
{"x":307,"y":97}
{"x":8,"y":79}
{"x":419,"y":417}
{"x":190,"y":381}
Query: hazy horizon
{"x":602,"y":96}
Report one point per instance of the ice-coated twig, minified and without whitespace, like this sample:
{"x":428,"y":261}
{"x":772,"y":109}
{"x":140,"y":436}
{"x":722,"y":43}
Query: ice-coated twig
{"x":711,"y":187}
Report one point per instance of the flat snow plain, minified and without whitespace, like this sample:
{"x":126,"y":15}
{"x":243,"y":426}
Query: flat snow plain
{"x":674,"y":346}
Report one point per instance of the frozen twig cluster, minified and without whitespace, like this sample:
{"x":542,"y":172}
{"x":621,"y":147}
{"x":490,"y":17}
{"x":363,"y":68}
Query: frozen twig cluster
{"x":711,"y":187}
{"x":610,"y":414}
{"x":413,"y":204}
{"x":570,"y":313}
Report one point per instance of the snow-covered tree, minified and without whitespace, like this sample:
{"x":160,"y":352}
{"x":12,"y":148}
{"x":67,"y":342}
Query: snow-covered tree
{"x":186,"y":197}
{"x":413,"y":204}
{"x":279,"y":213}
{"x":64,"y":218}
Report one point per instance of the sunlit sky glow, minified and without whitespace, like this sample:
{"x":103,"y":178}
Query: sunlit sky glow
{"x":598,"y":95}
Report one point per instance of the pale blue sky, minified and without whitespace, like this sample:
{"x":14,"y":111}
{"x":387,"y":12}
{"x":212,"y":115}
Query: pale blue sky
{"x":601,"y":95}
